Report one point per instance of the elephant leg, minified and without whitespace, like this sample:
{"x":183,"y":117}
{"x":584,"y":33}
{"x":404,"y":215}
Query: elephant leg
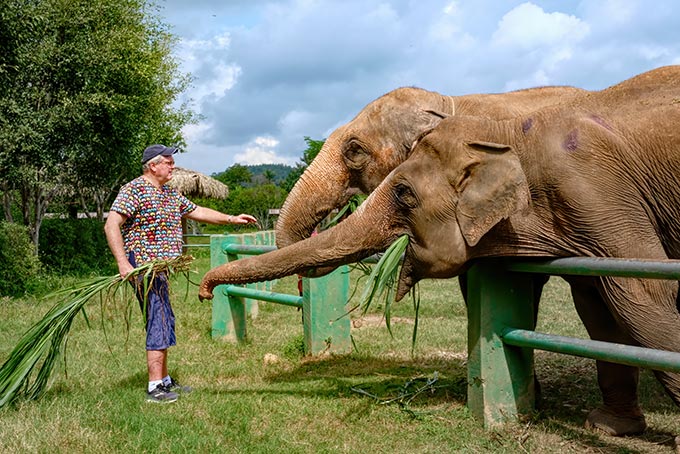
{"x":620,"y":413}
{"x":648,"y":308}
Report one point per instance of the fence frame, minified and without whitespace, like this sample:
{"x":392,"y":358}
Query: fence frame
{"x":326,"y":324}
{"x":501,"y":340}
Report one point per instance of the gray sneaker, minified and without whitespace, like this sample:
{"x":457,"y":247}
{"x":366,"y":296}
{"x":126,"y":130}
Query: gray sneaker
{"x":161,"y":395}
{"x":175,"y":387}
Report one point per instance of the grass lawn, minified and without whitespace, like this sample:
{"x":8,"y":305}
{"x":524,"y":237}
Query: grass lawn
{"x":264,"y":396}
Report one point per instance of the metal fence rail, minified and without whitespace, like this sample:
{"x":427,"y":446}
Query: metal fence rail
{"x":326,"y":326}
{"x":501,"y":337}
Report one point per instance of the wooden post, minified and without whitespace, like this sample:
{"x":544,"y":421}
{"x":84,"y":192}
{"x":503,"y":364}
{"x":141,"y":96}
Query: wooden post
{"x":500,"y":377}
{"x":324,"y":315}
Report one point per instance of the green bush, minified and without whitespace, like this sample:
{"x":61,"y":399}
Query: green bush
{"x":75,"y":246}
{"x":19,"y":263}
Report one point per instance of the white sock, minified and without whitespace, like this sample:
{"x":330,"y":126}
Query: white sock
{"x":167,"y":380}
{"x":153,"y":384}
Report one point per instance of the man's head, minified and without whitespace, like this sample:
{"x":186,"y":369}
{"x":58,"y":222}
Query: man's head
{"x":157,"y":150}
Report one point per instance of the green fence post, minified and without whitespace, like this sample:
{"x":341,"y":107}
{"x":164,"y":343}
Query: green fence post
{"x":263,"y":238}
{"x":324,"y":316}
{"x":228,"y":312}
{"x":500,"y":377}
{"x":252,"y":306}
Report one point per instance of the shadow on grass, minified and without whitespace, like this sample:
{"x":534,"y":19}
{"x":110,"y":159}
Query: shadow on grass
{"x":417,"y":382}
{"x":569,"y":391}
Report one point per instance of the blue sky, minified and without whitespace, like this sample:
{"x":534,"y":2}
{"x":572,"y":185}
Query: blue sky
{"x":269,"y":73}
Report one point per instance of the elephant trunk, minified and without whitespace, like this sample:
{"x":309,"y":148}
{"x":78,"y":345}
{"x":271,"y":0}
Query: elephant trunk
{"x":350,"y":241}
{"x":325,"y":182}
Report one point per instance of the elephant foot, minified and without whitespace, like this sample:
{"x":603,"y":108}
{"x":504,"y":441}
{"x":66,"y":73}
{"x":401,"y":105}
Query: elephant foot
{"x":614,"y":424}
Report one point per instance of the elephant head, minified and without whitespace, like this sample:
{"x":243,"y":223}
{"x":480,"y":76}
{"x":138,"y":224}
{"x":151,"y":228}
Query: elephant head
{"x":445,"y":197}
{"x":357,"y":156}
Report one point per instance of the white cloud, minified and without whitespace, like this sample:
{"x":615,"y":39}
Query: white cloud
{"x":295,"y":121}
{"x":224,"y":77}
{"x":262,"y":150}
{"x":528,"y":26}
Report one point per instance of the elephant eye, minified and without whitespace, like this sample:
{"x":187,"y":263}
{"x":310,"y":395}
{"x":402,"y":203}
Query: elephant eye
{"x":355,"y":156}
{"x":404,"y":195}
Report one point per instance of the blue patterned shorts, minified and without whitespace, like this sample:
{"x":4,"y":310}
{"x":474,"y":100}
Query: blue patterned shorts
{"x":160,"y":319}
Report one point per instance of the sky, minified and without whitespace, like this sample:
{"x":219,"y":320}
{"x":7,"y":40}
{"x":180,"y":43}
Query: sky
{"x":267,"y":74}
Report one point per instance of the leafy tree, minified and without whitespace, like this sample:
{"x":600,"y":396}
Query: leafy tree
{"x":313,"y":149}
{"x":257,"y":201}
{"x":269,"y":176}
{"x":88,"y":85}
{"x":19,"y":263}
{"x":276,"y":173}
{"x":234,"y":176}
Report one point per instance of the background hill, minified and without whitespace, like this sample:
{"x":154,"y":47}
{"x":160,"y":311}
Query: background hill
{"x":262,"y":172}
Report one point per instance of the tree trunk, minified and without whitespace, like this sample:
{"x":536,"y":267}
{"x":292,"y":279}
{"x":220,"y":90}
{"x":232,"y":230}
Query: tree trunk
{"x":7,"y":202}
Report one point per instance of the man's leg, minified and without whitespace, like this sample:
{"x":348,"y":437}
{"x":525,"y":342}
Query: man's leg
{"x":157,"y":363}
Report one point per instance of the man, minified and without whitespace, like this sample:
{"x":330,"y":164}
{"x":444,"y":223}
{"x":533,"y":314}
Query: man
{"x":145,"y":223}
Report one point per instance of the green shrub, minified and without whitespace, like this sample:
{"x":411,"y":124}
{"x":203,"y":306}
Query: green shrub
{"x":75,"y":246}
{"x":19,"y":263}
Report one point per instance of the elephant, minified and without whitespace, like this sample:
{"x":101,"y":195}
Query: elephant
{"x":594,"y":177}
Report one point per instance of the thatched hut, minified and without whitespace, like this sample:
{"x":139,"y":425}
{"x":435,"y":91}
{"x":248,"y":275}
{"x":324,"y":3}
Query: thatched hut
{"x":196,"y":184}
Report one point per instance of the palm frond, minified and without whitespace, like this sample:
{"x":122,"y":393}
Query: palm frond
{"x":349,"y":208}
{"x":383,"y":278}
{"x":42,"y":344}
{"x":382,"y":281}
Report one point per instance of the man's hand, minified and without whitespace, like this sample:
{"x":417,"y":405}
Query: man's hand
{"x":244,"y":219}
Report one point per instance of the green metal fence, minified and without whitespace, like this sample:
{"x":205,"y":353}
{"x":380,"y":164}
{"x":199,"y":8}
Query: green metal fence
{"x":501,"y":340}
{"x":500,"y":320}
{"x":326,"y":327}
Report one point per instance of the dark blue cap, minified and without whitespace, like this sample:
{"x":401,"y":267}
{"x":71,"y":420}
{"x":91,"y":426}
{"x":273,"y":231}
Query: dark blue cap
{"x":157,"y":150}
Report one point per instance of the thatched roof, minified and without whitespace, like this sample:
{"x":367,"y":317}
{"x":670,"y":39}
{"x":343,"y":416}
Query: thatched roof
{"x":196,"y":184}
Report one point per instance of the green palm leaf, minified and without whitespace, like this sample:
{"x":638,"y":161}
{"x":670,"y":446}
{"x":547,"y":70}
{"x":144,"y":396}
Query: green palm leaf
{"x":42,"y":345}
{"x":382,"y":282}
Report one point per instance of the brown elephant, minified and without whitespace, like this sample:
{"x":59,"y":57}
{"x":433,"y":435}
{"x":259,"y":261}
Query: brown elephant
{"x":596,"y":177}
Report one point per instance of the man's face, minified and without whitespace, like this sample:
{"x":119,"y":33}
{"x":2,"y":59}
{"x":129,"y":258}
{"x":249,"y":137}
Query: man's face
{"x":163,"y":169}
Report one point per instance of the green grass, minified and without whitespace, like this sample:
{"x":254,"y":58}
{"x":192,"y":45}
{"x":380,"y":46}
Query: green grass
{"x":264,"y":397}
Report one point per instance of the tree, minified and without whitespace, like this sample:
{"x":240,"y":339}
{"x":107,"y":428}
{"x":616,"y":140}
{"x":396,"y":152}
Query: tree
{"x":88,"y":85}
{"x":234,"y":176}
{"x":257,"y":201}
{"x":313,"y":149}
{"x":269,"y":176}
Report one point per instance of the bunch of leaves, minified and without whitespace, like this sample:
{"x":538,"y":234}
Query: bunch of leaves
{"x":382,"y":283}
{"x":349,"y":208}
{"x":45,"y":342}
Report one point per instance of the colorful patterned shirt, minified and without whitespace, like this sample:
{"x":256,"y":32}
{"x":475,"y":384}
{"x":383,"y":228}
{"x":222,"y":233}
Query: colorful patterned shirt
{"x":153,"y":229}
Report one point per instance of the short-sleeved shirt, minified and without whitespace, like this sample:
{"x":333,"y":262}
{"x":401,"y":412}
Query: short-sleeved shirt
{"x":153,"y":228}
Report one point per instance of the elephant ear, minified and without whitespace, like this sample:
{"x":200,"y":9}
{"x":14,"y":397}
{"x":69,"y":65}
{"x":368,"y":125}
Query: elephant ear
{"x":492,"y":186}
